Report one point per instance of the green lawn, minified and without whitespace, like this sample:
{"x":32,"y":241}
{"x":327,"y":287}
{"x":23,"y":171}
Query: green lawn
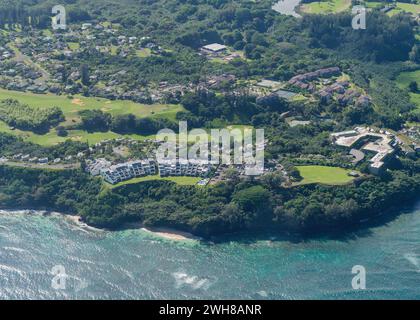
{"x":72,"y":106}
{"x":77,"y":103}
{"x":406,"y":7}
{"x":404,"y":79}
{"x":144,"y":53}
{"x":51,"y":137}
{"x":184,"y":181}
{"x":74,"y":46}
{"x":324,"y":175}
{"x":401,"y":6}
{"x":329,"y":6}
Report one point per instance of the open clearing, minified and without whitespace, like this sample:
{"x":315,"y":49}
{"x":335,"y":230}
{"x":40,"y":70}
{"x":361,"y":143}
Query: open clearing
{"x":330,"y":6}
{"x":183,"y":181}
{"x":335,"y":6}
{"x":400,"y":7}
{"x":51,"y":138}
{"x":324,"y":175}
{"x":403,"y":81}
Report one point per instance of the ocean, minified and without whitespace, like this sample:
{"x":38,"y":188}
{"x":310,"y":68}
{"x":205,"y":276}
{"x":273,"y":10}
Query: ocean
{"x":51,"y":257}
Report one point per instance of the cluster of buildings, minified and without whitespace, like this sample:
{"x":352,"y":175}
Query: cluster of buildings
{"x":128,"y":170}
{"x":302,"y":81}
{"x":267,"y":87}
{"x":215,"y":82}
{"x":28,"y":158}
{"x":344,"y":95}
{"x":217,"y":50}
{"x":120,"y":172}
{"x":413,"y":132}
{"x":53,"y":69}
{"x":141,"y":168}
{"x":328,"y":89}
{"x":382,"y":144}
{"x":183,"y":167}
{"x":16,"y":75}
{"x":6,"y":54}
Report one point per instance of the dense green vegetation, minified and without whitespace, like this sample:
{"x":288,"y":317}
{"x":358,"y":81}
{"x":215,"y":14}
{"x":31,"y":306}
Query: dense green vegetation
{"x":24,"y":117}
{"x":273,"y":46}
{"x":226,"y":207}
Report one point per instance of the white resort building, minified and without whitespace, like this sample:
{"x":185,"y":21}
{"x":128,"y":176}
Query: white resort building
{"x":183,"y":167}
{"x":140,"y":168}
{"x":129,"y":170}
{"x":381,"y":142}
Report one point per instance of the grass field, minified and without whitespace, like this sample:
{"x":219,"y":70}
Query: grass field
{"x":144,"y":53}
{"x":404,"y":79}
{"x":71,"y":107}
{"x":73,"y":46}
{"x":400,"y":7}
{"x":184,"y":181}
{"x":406,"y":7}
{"x":324,"y":175}
{"x":324,"y":7}
{"x":51,"y":137}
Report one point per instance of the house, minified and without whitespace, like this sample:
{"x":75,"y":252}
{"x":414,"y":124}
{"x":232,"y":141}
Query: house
{"x":86,"y":26}
{"x":43,"y":160}
{"x":214,"y":49}
{"x":363,"y":101}
{"x":325,"y":97}
{"x":336,"y":87}
{"x":95,"y":167}
{"x":329,"y":72}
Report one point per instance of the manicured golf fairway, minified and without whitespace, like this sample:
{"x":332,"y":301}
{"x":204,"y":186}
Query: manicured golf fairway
{"x":71,"y":107}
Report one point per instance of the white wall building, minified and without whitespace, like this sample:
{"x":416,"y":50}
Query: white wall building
{"x":128,"y":170}
{"x":184,"y":167}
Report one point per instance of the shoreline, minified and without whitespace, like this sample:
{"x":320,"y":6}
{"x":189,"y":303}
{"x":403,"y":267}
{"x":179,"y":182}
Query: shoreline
{"x":164,"y":233}
{"x":171,"y":234}
{"x":168,"y":233}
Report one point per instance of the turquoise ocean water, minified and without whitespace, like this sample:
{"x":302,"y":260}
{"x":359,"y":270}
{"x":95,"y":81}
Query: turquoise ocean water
{"x":134,"y":264}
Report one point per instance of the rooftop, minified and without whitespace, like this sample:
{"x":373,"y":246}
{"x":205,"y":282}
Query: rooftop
{"x":215,"y":47}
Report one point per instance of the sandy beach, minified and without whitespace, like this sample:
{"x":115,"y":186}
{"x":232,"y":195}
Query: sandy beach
{"x":171,"y":234}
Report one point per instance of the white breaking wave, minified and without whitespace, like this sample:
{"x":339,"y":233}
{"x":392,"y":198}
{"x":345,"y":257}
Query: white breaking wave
{"x":8,"y":269}
{"x":413,"y":259}
{"x":15,"y":249}
{"x":194,"y":282}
